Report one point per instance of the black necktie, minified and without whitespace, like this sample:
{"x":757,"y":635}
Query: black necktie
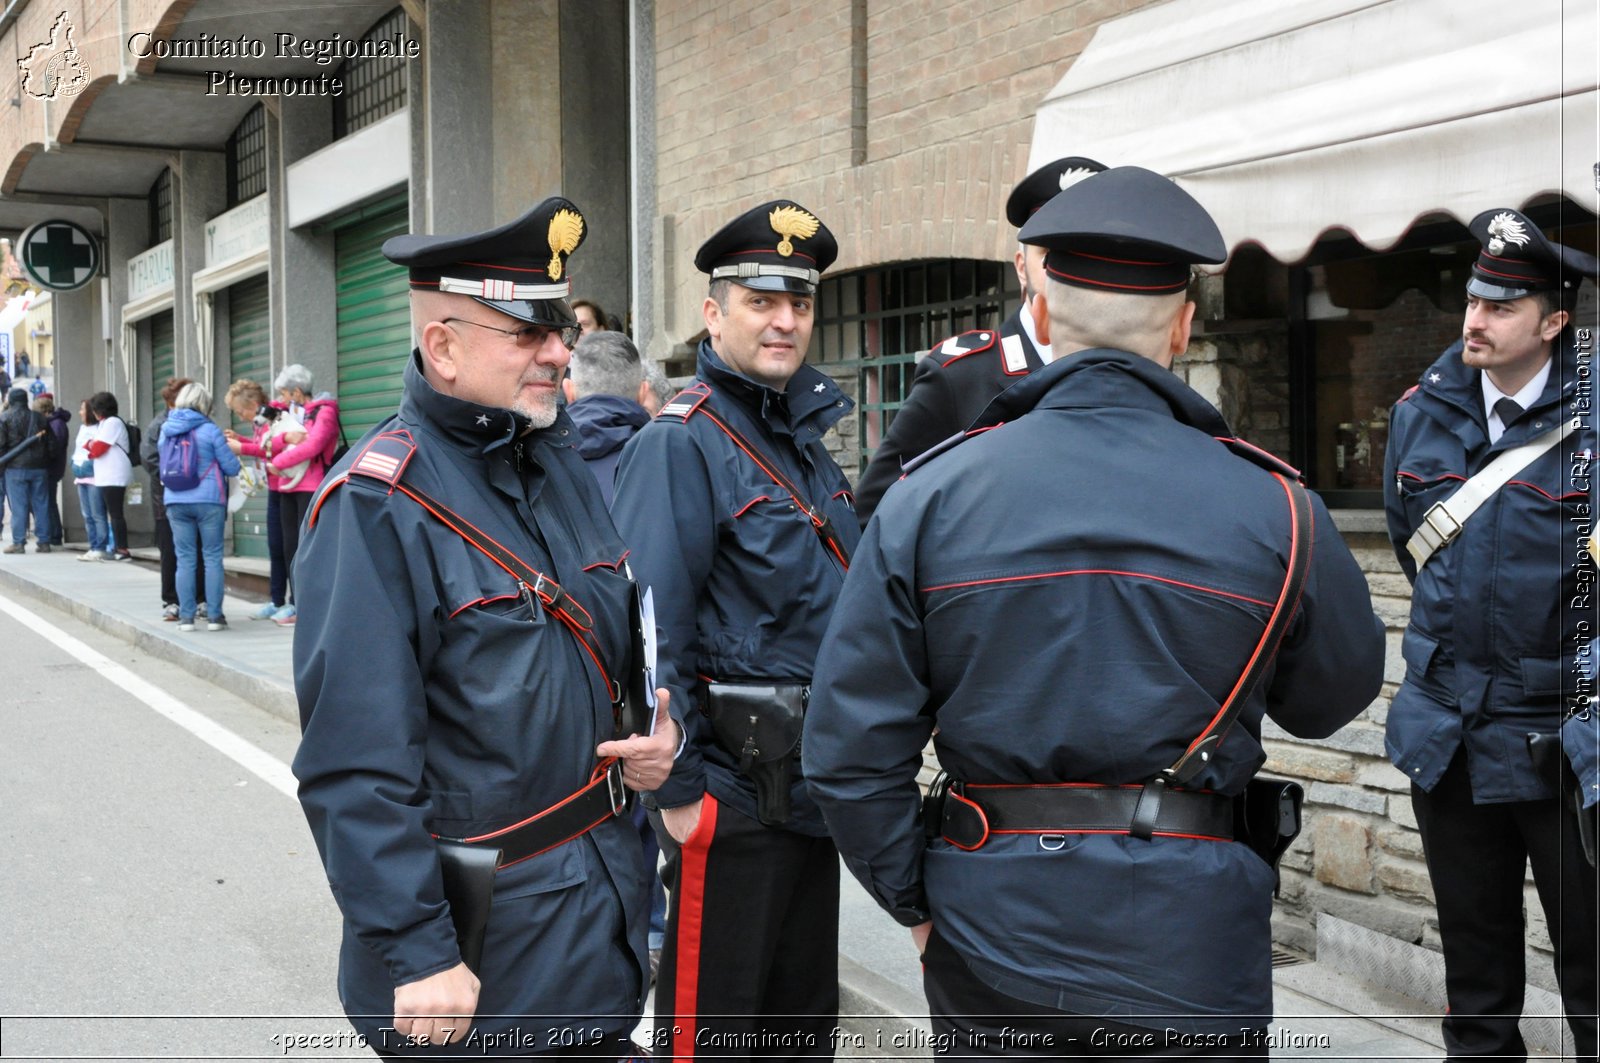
{"x":1507,"y":410}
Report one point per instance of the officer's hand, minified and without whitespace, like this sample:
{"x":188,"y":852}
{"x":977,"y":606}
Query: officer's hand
{"x":919,"y":936}
{"x":438,"y":1009}
{"x":681,"y":821}
{"x":646,"y":759}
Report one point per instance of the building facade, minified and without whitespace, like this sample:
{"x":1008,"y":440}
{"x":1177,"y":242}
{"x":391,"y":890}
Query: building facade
{"x":241,"y":227}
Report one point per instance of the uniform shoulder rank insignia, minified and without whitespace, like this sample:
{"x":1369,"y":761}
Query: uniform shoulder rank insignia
{"x":1016,"y":359}
{"x":964,"y":344}
{"x":1256,"y":456}
{"x":686,"y":402}
{"x":791,"y":223}
{"x":385,"y":458}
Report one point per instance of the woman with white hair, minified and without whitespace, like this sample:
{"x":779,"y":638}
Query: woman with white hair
{"x":320,"y":415}
{"x":195,"y":466}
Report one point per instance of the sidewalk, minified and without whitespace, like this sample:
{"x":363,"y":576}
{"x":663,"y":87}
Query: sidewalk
{"x":1322,"y":1012}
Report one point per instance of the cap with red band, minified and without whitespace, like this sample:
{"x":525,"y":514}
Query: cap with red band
{"x":1126,"y":229}
{"x":1519,"y":260}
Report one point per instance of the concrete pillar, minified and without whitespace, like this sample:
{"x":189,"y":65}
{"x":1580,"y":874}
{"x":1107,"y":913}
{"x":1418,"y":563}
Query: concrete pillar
{"x":303,"y":294}
{"x":462,"y":97}
{"x":594,"y":130}
{"x":199,"y":193}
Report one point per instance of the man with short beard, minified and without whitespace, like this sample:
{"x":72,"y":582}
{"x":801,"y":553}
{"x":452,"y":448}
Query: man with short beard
{"x":1498,"y":615}
{"x":464,"y":627}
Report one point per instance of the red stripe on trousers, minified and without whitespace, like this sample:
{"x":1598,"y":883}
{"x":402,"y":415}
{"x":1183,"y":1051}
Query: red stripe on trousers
{"x":691,"y":920}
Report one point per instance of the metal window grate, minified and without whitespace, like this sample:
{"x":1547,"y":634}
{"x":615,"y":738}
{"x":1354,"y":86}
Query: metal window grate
{"x":373,"y":88}
{"x":160,"y":200}
{"x":247,"y":158}
{"x":879,"y":321}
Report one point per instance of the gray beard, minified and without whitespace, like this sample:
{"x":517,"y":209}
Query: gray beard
{"x":538,"y":416}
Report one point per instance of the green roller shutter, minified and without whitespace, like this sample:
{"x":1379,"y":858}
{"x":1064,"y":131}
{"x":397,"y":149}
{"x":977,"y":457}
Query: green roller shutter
{"x":163,"y":359}
{"x":374,"y":320}
{"x":249,"y":356}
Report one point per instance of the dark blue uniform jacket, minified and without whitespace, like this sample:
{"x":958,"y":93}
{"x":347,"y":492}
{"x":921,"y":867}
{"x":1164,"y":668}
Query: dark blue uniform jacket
{"x":1497,"y":617}
{"x":605,"y":423}
{"x":743,"y":586}
{"x":948,"y":393}
{"x":437,"y":696}
{"x":1069,"y":598}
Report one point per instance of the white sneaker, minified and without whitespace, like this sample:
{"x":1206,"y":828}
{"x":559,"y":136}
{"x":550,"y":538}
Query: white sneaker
{"x":91,"y":555}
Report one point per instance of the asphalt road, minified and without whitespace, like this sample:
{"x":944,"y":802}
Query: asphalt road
{"x":158,"y":899}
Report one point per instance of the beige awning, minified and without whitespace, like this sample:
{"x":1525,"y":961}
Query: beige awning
{"x":1288,"y":118}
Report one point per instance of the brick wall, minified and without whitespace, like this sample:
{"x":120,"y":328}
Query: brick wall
{"x":902,"y":125}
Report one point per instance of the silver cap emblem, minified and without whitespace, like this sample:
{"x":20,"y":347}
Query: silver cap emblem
{"x":1505,"y":229}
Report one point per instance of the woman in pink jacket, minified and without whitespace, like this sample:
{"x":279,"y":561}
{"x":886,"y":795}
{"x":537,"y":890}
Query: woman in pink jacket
{"x":320,"y":415}
{"x":248,"y":401}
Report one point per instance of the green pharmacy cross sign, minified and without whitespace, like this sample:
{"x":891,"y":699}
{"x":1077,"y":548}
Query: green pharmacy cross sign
{"x":59,"y":255}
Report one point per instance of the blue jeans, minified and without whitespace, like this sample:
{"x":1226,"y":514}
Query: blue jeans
{"x":94,"y":517}
{"x":25,"y":491}
{"x":197,"y":530}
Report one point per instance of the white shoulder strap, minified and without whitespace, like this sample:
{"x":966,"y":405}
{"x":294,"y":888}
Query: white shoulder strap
{"x":1441,"y":524}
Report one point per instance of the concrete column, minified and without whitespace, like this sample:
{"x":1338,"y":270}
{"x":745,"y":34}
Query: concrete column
{"x":595,"y":137}
{"x":458,"y":105}
{"x":303,"y":295}
{"x":199,"y":194}
{"x":642,"y":50}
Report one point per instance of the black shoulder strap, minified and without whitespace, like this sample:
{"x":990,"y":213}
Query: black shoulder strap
{"x":1204,"y":747}
{"x":696,"y":400}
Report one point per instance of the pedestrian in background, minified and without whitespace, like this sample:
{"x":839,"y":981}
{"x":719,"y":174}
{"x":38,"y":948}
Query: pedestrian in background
{"x":320,"y":415}
{"x":249,"y":403}
{"x":199,"y":514}
{"x":46,"y":404}
{"x":113,"y":470}
{"x":27,"y":471}
{"x":90,"y":502}
{"x":150,"y":455}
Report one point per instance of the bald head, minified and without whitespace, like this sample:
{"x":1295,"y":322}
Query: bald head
{"x":1152,"y":326}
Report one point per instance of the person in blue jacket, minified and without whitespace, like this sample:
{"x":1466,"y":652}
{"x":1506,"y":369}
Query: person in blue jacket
{"x":741,"y":523}
{"x":605,"y":391}
{"x":1063,"y":603}
{"x":465,"y":689}
{"x":1499,"y":613}
{"x":198,"y":514}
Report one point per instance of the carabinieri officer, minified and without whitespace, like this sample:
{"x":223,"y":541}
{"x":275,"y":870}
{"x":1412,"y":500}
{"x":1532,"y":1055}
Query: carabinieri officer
{"x":741,"y":523}
{"x":1065,"y":604}
{"x":463,"y":635}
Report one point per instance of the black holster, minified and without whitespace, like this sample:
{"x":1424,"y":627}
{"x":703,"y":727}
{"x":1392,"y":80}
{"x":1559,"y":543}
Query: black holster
{"x":1550,"y":763}
{"x":759,"y":723}
{"x":1266,"y":817}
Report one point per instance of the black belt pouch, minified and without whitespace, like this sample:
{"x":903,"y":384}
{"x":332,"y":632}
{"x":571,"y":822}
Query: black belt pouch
{"x":760,"y":725}
{"x":1550,"y":763}
{"x":468,"y":873}
{"x":1267,"y":817}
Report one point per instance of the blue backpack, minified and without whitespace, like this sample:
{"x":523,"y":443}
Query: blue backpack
{"x":180,"y":462}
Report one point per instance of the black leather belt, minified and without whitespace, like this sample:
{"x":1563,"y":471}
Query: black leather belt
{"x":603,"y":798}
{"x":967,"y":813}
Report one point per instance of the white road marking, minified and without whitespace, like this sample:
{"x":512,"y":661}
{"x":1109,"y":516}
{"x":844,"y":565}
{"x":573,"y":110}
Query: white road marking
{"x":247,"y":755}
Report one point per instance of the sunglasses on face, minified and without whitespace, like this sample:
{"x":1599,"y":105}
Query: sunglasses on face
{"x":528,"y":336}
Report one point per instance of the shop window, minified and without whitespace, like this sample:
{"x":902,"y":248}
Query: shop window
{"x":247,"y":158}
{"x":877,"y":322}
{"x":374,"y":88}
